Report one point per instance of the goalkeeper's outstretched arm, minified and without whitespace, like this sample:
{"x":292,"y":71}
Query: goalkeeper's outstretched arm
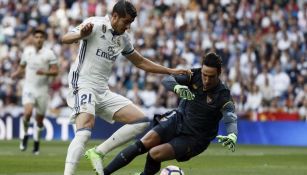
{"x":230,"y":118}
{"x":169,"y":82}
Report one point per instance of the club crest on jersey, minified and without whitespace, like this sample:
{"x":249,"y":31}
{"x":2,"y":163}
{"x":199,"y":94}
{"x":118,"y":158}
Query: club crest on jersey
{"x":104,"y":28}
{"x":194,"y":86}
{"x":116,"y":41}
{"x":111,"y":51}
{"x":209,"y":99}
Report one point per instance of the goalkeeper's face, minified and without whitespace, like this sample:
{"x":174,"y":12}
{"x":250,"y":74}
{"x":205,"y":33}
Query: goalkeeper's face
{"x":121,"y":24}
{"x":209,"y":76}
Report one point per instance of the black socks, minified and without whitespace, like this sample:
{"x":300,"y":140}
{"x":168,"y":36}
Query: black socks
{"x":125,"y":157}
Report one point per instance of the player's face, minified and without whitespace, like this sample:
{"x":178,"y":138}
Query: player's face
{"x":209,"y":76}
{"x":121,"y":24}
{"x":39,"y":40}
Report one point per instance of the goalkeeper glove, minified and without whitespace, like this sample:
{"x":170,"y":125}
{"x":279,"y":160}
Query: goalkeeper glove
{"x":230,"y":140}
{"x":184,"y":92}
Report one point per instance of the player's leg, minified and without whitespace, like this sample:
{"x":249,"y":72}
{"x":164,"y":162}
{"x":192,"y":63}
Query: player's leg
{"x":112,"y":107}
{"x":129,"y":113}
{"x":168,"y":131}
{"x":84,"y":125}
{"x":124,"y":157}
{"x":41,"y":107}
{"x":161,"y":133}
{"x":120,"y":137}
{"x":127,"y":132}
{"x":83,"y":104}
{"x":181,"y":148}
{"x":156,"y":155}
{"x":120,"y":109}
{"x":38,"y":129}
{"x":28,"y":109}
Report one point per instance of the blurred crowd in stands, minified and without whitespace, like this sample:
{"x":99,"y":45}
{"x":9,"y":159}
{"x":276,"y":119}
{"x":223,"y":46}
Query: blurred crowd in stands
{"x":262,"y":44}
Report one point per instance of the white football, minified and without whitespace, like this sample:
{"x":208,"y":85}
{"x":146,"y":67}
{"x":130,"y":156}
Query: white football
{"x":172,"y":170}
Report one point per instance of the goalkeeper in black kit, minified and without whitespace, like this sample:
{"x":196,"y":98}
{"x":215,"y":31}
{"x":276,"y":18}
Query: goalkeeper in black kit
{"x":188,"y":130}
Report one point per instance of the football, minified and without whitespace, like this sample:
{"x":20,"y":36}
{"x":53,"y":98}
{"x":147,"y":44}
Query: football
{"x":172,"y":170}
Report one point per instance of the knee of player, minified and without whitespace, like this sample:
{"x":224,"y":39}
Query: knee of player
{"x":155,"y":153}
{"x":85,"y":120}
{"x":28,"y":113}
{"x":151,"y":139}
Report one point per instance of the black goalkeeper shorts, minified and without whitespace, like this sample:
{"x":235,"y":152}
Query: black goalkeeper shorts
{"x":185,"y":146}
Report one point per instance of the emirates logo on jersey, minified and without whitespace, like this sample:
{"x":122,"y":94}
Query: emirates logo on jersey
{"x":108,"y":55}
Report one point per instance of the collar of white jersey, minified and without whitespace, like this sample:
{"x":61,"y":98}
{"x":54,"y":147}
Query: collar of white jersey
{"x":109,"y":26}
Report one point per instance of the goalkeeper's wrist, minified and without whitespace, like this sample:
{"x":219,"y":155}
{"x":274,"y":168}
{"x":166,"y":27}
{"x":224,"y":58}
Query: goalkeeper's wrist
{"x":233,"y":136}
{"x":174,"y":89}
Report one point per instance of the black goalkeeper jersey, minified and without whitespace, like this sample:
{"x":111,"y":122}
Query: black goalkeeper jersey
{"x":200,"y":116}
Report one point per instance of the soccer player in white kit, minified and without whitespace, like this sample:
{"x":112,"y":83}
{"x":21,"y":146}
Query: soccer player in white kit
{"x":38,"y":64}
{"x":102,"y":39}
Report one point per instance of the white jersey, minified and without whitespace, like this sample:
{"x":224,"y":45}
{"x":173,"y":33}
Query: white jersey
{"x":34,"y":61}
{"x":97,"y":54}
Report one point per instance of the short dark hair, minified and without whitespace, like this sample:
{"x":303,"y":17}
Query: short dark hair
{"x":40,"y":31}
{"x":212,"y":60}
{"x":123,"y":7}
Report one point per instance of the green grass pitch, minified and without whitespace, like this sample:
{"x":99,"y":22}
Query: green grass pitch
{"x":247,"y":160}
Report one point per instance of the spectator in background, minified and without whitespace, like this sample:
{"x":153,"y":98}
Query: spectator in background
{"x":264,"y":78}
{"x":267,"y":93}
{"x":254,"y":99}
{"x":303,"y":110}
{"x":148,"y":95}
{"x":281,"y":81}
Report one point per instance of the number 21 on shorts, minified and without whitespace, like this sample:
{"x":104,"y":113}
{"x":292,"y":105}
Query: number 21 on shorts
{"x":86,"y":98}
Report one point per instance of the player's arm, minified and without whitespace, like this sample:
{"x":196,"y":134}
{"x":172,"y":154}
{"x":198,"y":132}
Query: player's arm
{"x":143,"y":63}
{"x":230,"y":118}
{"x":75,"y":36}
{"x":19,"y":72}
{"x":179,"y":84}
{"x":53,"y":71}
{"x":230,"y":121}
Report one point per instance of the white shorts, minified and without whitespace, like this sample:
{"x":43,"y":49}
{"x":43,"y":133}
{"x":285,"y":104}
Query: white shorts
{"x":39,"y":101}
{"x":89,"y":101}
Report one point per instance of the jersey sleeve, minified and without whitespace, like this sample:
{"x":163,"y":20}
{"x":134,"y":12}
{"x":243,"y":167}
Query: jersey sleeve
{"x":228,"y":111}
{"x":80,"y":26}
{"x":224,"y":98}
{"x":128,"y":49}
{"x":171,"y":81}
{"x":183,"y":79}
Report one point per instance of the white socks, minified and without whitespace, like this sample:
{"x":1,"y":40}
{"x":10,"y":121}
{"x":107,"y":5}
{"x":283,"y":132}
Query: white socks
{"x":76,"y":150}
{"x":121,"y":136}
